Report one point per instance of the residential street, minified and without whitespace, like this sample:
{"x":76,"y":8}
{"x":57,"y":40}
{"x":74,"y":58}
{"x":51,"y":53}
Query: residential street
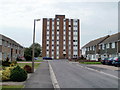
{"x":71,"y":75}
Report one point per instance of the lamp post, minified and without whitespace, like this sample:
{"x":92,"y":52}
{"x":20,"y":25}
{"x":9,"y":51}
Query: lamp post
{"x":33,"y":44}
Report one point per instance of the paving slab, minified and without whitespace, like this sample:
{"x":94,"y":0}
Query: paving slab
{"x":41,"y":78}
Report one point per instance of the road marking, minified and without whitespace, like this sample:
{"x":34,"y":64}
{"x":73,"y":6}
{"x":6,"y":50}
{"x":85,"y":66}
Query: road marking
{"x":98,"y":71}
{"x":53,"y":78}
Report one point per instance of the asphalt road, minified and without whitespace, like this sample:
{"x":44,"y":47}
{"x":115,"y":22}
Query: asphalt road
{"x":73,"y":76}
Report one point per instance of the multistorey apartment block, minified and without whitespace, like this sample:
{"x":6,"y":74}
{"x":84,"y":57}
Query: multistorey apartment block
{"x":10,"y":49}
{"x":61,"y":37}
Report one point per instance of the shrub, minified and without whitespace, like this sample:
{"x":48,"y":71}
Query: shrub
{"x":5,"y":74}
{"x":28,"y":68}
{"x":13,"y":63}
{"x":6,"y":63}
{"x":18,"y":74}
{"x":28,"y":58}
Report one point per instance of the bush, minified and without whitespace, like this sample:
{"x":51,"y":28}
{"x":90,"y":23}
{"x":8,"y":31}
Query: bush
{"x":19,"y":59}
{"x":6,"y":63}
{"x":13,"y":63}
{"x":18,"y":74}
{"x":28,"y":58}
{"x":28,"y":68}
{"x":6,"y":73}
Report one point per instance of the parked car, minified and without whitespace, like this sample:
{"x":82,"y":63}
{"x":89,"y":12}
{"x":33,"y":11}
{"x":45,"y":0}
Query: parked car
{"x":35,"y":58}
{"x":116,"y":61}
{"x":104,"y":60}
{"x":47,"y":58}
{"x":109,"y":61}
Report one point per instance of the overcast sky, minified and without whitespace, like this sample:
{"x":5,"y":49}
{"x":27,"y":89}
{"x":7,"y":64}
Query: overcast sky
{"x":97,"y":18}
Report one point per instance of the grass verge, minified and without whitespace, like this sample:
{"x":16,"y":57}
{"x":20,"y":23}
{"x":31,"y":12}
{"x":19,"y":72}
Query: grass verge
{"x":36,"y":65}
{"x":31,"y":61}
{"x":11,"y":87}
{"x":90,"y":62}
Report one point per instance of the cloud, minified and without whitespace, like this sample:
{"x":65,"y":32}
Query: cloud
{"x":17,"y":17}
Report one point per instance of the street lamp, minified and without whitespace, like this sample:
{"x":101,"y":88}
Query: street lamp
{"x":33,"y":44}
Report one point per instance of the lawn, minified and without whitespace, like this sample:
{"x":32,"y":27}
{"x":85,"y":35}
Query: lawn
{"x":31,"y":61}
{"x":12,"y":87}
{"x":90,"y":62}
{"x":23,"y":64}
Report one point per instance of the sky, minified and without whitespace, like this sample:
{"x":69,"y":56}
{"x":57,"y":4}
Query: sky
{"x":97,"y":17}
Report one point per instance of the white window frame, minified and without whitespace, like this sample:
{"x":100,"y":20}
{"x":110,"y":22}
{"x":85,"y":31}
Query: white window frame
{"x":57,"y":42}
{"x":47,"y":37}
{"x":57,"y":33}
{"x":47,"y":47}
{"x":108,"y":45}
{"x":47,"y":42}
{"x":113,"y":45}
{"x":58,"y":22}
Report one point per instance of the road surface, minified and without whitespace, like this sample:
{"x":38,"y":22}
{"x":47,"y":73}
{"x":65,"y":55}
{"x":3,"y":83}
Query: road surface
{"x":74,"y":76}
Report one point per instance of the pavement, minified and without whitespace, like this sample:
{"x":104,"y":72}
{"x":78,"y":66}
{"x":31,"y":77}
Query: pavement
{"x":73,"y":75}
{"x":40,"y":78}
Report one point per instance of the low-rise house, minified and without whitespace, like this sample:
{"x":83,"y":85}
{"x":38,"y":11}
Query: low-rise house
{"x":107,"y":46}
{"x":10,"y":49}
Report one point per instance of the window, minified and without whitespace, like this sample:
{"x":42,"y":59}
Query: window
{"x":52,"y":41}
{"x":113,"y":45}
{"x":48,"y":22}
{"x":47,"y":47}
{"x":69,"y":22}
{"x":64,"y":33}
{"x":108,"y":45}
{"x":47,"y":52}
{"x":47,"y":38}
{"x":52,"y":53}
{"x":57,"y":37}
{"x":52,"y":56}
{"x":57,"y":57}
{"x":64,"y":27}
{"x":64,"y":43}
{"x":57,"y":47}
{"x":57,"y":42}
{"x":57,"y":27}
{"x":53,"y":48}
{"x":57,"y":33}
{"x":57,"y":53}
{"x":52,"y":28}
{"x":52,"y":37}
{"x":57,"y":23}
{"x":64,"y":47}
{"x":103,"y":47}
{"x":47,"y":27}
{"x":47,"y":42}
{"x":64,"y":38}
{"x":93,"y":48}
{"x":48,"y":33}
{"x":64,"y":22}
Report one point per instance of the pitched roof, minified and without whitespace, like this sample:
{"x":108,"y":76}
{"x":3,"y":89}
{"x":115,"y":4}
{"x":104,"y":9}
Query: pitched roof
{"x":10,"y":40}
{"x":95,"y":42}
{"x":112,"y":38}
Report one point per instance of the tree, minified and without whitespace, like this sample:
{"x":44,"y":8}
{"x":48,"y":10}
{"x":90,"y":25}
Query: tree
{"x":28,"y":51}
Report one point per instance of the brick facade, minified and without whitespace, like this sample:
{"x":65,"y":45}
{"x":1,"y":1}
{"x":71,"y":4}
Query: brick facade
{"x":9,"y":48}
{"x":56,"y":38}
